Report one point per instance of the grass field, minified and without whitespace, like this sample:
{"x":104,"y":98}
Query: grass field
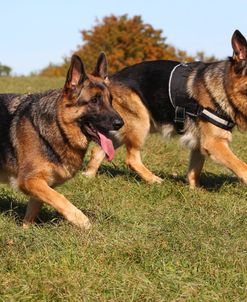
{"x":148,"y":242}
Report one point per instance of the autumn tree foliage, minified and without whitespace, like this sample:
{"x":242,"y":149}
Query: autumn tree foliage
{"x":125,"y":41}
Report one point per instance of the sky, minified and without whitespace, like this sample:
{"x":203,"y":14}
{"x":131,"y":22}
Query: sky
{"x":35,"y":33}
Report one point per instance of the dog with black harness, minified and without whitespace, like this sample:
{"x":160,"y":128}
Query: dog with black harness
{"x":184,"y":104}
{"x":200,"y":101}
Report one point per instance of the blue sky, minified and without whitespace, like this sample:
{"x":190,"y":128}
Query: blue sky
{"x":36,"y":32}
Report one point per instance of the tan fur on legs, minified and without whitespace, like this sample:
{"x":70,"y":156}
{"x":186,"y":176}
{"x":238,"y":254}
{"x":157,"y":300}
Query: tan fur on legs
{"x":97,"y":156}
{"x":219,"y":151}
{"x":39,"y":189}
{"x":133,"y":160}
{"x":33,"y":208}
{"x":136,"y":131}
{"x":195,"y":167}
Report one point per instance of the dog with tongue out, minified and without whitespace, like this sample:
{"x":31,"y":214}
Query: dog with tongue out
{"x":44,"y":136}
{"x":100,"y":119}
{"x":107,"y":145}
{"x":105,"y":142}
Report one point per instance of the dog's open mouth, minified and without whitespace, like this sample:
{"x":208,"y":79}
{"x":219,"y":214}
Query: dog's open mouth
{"x":101,"y":139}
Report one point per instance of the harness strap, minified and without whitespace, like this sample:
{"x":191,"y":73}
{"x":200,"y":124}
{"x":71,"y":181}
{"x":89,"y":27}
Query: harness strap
{"x":170,"y":84}
{"x":190,"y":107}
{"x":209,"y":115}
{"x":180,"y":115}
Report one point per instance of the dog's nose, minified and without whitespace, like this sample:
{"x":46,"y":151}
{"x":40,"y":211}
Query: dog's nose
{"x":118,"y":123}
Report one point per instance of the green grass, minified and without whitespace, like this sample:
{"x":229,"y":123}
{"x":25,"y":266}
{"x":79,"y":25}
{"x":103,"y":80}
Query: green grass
{"x":29,"y":84}
{"x":148,"y":242}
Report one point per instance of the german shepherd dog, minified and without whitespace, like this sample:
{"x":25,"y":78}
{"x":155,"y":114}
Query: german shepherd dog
{"x":141,"y":96}
{"x":44,"y":136}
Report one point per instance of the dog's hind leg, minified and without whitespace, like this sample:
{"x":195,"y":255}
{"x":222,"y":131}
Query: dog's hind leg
{"x":33,"y":208}
{"x":39,"y":189}
{"x":196,"y":162}
{"x":97,"y":156}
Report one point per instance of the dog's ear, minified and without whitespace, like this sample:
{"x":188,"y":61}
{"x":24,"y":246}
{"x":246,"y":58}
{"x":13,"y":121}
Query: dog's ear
{"x":100,"y":69}
{"x":239,"y":46}
{"x":76,"y":74}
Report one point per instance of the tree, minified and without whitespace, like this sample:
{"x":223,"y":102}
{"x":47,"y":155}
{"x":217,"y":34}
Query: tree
{"x":125,"y":41}
{"x":5,"y":70}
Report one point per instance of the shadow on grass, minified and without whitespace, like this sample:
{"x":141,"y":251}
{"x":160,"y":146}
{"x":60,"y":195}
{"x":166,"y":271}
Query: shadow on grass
{"x":213,"y":182}
{"x":12,"y":207}
{"x":113,"y":171}
{"x":209,"y":181}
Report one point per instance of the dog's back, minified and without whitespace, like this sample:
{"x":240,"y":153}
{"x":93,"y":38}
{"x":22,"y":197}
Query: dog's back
{"x":150,"y":81}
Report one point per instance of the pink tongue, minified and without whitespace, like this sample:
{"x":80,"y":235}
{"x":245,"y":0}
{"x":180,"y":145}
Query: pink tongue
{"x":107,"y":146}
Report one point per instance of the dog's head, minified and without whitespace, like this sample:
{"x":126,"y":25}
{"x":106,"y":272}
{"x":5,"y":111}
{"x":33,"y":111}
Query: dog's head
{"x":87,"y":103}
{"x":236,"y":77}
{"x":239,"y":58}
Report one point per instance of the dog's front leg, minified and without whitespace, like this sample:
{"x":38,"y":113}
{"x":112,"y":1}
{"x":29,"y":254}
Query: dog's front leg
{"x":97,"y":156}
{"x":39,"y":189}
{"x":133,"y":160}
{"x":219,"y":150}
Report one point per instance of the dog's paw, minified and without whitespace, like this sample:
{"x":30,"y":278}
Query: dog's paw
{"x":86,"y":225}
{"x":77,"y":218}
{"x":88,"y":174}
{"x":82,"y":221}
{"x":25,"y":225}
{"x":156,"y":179}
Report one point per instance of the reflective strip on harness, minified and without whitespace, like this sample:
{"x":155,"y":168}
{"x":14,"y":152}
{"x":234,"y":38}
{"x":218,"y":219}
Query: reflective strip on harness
{"x":170,"y":85}
{"x":214,"y":117}
{"x":217,"y":120}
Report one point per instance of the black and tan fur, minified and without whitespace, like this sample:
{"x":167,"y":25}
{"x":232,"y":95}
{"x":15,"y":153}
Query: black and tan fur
{"x":44,"y":136}
{"x":140,"y":95}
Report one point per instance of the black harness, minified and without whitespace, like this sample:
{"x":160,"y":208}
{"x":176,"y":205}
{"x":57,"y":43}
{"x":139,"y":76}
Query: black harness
{"x":186,"y":105}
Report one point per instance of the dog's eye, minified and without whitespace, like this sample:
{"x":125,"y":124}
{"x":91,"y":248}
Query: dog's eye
{"x":96,"y":100}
